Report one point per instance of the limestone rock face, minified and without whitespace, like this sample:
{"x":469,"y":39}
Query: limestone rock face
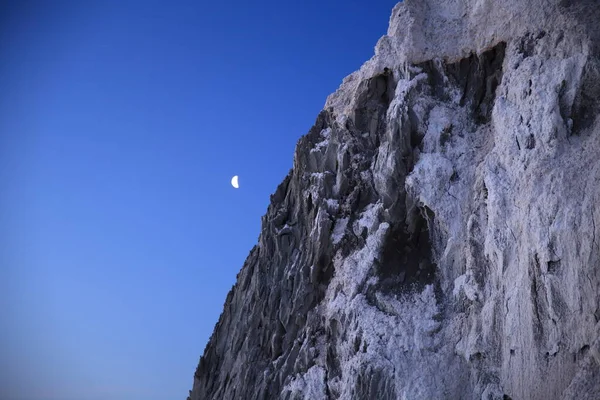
{"x":439,"y":234}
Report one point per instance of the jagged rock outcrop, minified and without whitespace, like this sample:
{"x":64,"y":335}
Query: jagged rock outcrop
{"x":437,"y":237}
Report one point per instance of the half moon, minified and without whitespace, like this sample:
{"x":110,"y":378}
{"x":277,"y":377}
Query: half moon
{"x":234,"y":182}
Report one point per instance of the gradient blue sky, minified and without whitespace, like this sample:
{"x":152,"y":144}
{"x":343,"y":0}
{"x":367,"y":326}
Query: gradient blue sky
{"x":121,"y":125}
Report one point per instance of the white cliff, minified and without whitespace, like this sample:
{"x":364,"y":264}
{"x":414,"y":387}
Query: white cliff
{"x":438,"y":235}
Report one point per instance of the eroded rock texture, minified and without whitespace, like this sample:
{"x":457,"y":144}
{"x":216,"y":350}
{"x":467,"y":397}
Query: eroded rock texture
{"x":437,"y":237}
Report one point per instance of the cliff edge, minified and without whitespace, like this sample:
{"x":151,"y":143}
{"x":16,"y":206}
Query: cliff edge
{"x":439,"y":234}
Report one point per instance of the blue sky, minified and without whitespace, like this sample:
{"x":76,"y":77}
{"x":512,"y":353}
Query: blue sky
{"x":121,"y":125}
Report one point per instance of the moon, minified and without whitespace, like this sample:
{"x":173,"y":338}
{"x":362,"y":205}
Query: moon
{"x":234,"y":182}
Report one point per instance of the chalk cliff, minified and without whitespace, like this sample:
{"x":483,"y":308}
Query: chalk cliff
{"x":439,"y":234}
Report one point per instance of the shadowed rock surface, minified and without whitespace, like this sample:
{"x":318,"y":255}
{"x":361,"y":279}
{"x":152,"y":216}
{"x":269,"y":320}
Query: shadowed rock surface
{"x":437,"y":237}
